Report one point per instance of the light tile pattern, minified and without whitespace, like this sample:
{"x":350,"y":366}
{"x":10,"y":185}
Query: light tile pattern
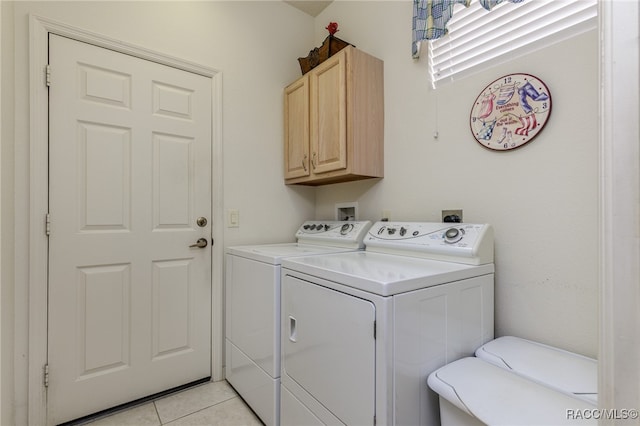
{"x":208,"y":404}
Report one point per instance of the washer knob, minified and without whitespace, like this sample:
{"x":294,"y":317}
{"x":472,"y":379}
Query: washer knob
{"x":344,"y":230}
{"x":453,"y":235}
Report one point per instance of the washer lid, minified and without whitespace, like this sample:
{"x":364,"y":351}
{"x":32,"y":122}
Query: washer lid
{"x":496,"y":396}
{"x":384,"y":274}
{"x":274,"y":253}
{"x":557,"y":368}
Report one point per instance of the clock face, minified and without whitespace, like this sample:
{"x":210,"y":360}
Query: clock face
{"x":510,"y":112}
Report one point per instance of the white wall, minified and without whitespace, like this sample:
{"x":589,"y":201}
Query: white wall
{"x":254,"y":44}
{"x":2,"y":323}
{"x":542,"y":199}
{"x":6,"y":213}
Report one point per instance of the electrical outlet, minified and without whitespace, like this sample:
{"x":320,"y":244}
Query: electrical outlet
{"x":452,"y":216}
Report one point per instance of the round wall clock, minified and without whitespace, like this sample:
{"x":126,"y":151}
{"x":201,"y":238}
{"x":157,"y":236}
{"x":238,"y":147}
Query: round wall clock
{"x":510,"y":112}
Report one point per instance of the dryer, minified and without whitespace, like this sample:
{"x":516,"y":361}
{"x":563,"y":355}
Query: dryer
{"x":252,"y":304}
{"x":361,"y":331}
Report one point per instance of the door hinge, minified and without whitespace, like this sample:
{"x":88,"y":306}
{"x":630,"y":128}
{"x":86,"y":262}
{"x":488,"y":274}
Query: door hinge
{"x":47,"y":223}
{"x":374,"y":330}
{"x":46,"y":375}
{"x":47,"y":73}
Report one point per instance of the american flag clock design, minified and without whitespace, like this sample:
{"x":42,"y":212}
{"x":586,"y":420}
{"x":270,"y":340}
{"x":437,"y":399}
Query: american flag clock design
{"x":510,"y":112}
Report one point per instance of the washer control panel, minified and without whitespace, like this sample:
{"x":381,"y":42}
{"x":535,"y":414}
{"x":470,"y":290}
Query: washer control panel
{"x":328,"y":232}
{"x":447,"y":241}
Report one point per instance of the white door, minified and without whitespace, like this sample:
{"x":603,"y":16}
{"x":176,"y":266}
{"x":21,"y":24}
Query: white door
{"x":328,"y":348}
{"x":130,"y":174}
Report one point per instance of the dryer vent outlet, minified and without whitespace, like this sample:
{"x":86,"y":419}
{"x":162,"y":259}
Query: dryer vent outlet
{"x":452,"y":216}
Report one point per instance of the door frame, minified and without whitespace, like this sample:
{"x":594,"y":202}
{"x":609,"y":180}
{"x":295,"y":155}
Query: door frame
{"x":39,"y":29}
{"x":619,"y":351}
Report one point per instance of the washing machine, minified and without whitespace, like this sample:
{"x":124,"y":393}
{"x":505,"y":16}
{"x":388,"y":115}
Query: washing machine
{"x":252,"y":303}
{"x":361,"y":331}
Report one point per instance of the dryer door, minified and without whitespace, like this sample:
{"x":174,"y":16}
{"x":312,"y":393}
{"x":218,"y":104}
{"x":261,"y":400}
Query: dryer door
{"x":329,"y":348}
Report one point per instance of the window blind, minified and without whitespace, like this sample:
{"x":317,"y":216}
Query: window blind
{"x":478,"y":39}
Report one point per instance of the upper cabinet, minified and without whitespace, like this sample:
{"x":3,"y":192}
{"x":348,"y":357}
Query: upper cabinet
{"x":334,"y":121}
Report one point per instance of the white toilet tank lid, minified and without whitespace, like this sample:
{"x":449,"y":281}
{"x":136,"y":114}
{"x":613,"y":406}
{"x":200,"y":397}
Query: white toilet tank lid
{"x":496,"y":396}
{"x":554,"y":367}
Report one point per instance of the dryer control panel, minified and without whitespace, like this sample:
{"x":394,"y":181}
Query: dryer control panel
{"x":459,"y":242}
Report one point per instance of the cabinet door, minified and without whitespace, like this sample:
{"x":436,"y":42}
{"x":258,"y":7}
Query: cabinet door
{"x":296,"y":129}
{"x":328,"y":111}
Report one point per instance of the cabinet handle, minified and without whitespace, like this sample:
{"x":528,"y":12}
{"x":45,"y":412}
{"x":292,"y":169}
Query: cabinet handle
{"x":313,"y":161}
{"x":304,"y":163}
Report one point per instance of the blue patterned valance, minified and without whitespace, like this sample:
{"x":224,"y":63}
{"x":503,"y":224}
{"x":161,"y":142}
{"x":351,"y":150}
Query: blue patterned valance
{"x":430,"y":17}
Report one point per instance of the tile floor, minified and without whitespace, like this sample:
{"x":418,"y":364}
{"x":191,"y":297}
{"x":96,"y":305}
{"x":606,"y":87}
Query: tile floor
{"x":208,"y":404}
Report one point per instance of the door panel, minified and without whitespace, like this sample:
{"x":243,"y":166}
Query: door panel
{"x":104,"y":165}
{"x":329,"y":348}
{"x":103,"y":307}
{"x":170,"y":296}
{"x":173,"y":185}
{"x":296,"y":128}
{"x":329,"y":115}
{"x":130,"y":172}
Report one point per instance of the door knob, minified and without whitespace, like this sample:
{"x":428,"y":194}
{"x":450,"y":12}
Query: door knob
{"x":201,"y":243}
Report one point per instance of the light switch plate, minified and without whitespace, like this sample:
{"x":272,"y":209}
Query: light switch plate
{"x":233,"y":218}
